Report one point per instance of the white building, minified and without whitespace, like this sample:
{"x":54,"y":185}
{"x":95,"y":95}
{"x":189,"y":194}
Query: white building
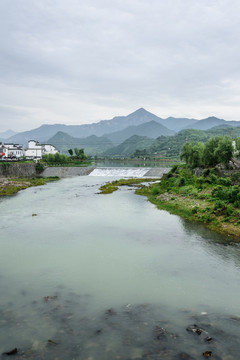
{"x":36,"y":150}
{"x":49,"y":149}
{"x":11,"y":151}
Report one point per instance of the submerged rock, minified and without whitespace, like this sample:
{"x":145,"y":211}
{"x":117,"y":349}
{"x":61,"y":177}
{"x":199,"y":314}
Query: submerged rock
{"x":51,"y":342}
{"x":207,"y":354}
{"x":11,"y":352}
{"x":185,"y":356}
{"x":49,"y":298}
{"x":194,"y":329}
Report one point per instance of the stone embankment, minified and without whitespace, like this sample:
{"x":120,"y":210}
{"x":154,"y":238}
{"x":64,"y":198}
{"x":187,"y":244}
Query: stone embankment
{"x":18,"y":170}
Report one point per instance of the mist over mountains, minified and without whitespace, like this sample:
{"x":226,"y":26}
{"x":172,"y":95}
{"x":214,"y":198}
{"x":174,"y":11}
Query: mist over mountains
{"x":132,"y":130}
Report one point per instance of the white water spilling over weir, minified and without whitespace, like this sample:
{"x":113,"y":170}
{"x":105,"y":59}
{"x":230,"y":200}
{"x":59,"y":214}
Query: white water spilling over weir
{"x":123,"y":172}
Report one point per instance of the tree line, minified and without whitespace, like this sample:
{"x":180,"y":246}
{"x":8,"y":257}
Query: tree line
{"x":218,"y":149}
{"x":76,"y":155}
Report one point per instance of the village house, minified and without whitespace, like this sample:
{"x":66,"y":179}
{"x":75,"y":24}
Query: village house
{"x":35,"y":150}
{"x":11,"y":151}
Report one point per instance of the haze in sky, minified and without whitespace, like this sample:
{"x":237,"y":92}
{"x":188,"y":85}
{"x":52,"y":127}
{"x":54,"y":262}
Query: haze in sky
{"x":76,"y":62}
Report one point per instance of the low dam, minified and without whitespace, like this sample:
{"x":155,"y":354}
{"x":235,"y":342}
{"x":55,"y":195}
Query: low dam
{"x":104,"y":171}
{"x":22,"y":170}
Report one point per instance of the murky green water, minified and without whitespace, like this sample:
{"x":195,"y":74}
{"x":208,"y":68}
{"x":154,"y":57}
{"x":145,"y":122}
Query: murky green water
{"x":112,"y":277}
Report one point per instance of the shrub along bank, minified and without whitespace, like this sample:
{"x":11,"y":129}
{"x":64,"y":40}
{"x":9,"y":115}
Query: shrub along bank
{"x":209,"y":198}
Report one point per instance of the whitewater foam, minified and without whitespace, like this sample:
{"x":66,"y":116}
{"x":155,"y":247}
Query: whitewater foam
{"x":123,"y":172}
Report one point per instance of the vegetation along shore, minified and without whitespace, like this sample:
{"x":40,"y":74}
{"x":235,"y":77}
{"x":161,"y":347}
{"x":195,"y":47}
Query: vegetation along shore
{"x":10,"y":186}
{"x":204,"y":189}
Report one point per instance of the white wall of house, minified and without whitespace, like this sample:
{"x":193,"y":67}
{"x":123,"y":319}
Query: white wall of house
{"x":36,"y":150}
{"x":49,"y":149}
{"x":33,"y":153}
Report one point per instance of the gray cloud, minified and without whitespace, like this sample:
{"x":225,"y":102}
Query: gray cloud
{"x":76,"y":61}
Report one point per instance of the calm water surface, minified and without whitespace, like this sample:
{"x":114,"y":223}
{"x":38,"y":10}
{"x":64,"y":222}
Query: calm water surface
{"x":112,"y":277}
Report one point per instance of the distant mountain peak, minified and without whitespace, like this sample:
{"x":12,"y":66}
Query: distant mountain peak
{"x":8,"y":133}
{"x":213,"y":118}
{"x":140,"y":111}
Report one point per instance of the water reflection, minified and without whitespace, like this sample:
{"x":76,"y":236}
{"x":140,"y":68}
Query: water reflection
{"x":219,"y":245}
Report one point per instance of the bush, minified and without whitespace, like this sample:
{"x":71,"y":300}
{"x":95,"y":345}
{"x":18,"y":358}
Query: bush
{"x":188,"y":190}
{"x":39,"y":167}
{"x":181,"y":182}
{"x":235,"y":177}
{"x":230,"y":194}
{"x":56,"y":158}
{"x":213,"y":179}
{"x":155,"y":190}
{"x":173,"y":169}
{"x":200,"y":181}
{"x":206,"y":172}
{"x":195,"y":210}
{"x":236,"y":204}
{"x":230,"y":210}
{"x":207,"y":218}
{"x":224,"y":181}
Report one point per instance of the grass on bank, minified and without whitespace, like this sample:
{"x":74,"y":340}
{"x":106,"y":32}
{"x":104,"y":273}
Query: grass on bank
{"x":110,"y":187}
{"x":10,"y":187}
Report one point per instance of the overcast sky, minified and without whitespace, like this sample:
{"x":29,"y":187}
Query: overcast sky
{"x":76,"y":62}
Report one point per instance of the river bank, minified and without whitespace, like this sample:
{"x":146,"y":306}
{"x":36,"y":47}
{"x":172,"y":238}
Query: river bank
{"x":211,"y":198}
{"x":208,"y":198}
{"x":10,"y":186}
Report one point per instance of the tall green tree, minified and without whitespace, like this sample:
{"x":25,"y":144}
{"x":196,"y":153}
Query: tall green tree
{"x":196,"y":158}
{"x":209,"y":156}
{"x":224,"y":150}
{"x":237,"y":141}
{"x":218,"y":149}
{"x":186,"y":152}
{"x":80,"y":154}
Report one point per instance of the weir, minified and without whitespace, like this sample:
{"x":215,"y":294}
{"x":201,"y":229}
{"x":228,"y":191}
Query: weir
{"x":126,"y":172}
{"x":121,"y":171}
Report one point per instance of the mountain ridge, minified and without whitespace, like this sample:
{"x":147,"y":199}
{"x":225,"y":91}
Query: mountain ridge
{"x":151,"y":129}
{"x":91,"y":144}
{"x":117,"y":123}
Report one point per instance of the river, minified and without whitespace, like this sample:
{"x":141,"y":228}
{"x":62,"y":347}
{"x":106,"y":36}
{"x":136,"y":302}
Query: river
{"x":90,"y":276}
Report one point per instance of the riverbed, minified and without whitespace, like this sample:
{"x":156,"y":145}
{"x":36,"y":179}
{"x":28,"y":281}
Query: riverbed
{"x":90,"y":276}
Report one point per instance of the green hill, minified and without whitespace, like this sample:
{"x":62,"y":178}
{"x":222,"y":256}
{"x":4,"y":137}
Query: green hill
{"x":93,"y":145}
{"x":169,"y":146}
{"x":151,"y":129}
{"x":128,"y":147}
{"x":172,"y":145}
